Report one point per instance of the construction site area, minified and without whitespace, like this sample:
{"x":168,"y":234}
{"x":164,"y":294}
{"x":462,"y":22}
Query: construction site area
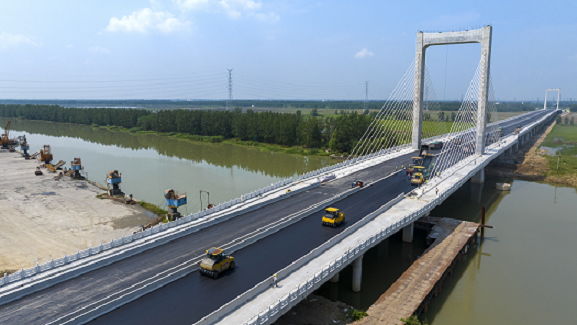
{"x":47,"y":211}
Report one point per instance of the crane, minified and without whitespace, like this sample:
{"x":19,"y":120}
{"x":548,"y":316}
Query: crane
{"x":173,"y":201}
{"x":6,"y":142}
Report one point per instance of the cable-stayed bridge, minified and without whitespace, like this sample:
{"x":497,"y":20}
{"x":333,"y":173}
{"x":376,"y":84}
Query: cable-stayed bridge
{"x":152,"y":277}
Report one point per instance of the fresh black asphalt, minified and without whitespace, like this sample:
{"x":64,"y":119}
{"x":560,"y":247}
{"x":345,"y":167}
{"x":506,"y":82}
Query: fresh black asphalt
{"x":192,"y":297}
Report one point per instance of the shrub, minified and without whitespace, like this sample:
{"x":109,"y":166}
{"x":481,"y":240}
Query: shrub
{"x":154,"y":208}
{"x":356,"y":314}
{"x":135,"y":129}
{"x":94,"y":125}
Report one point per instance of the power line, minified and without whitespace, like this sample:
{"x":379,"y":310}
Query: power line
{"x":229,"y":103}
{"x":366,"y":95}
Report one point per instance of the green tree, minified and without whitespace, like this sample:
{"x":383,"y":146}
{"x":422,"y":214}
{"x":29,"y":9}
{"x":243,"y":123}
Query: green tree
{"x":314,"y":112}
{"x":566,"y":120}
{"x":441,"y":116}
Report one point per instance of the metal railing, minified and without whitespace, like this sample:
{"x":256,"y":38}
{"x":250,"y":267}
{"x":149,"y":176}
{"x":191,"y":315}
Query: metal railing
{"x":91,"y":251}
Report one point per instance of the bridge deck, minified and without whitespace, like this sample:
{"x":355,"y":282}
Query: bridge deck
{"x":255,"y":262}
{"x":411,"y":292}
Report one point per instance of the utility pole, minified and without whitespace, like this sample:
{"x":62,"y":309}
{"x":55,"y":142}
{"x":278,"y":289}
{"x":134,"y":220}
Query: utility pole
{"x":366,"y":96}
{"x":229,"y":102}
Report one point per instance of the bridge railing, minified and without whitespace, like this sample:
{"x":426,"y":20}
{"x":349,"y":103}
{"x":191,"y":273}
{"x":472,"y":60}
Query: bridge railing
{"x":334,"y":266}
{"x":91,"y":251}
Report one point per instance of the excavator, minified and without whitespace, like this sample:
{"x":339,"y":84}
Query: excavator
{"x":45,"y":155}
{"x":6,"y":141}
{"x":114,"y":178}
{"x":173,"y":201}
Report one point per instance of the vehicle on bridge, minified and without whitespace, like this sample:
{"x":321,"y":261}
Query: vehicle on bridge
{"x":436,"y":145}
{"x":418,"y":176}
{"x":518,"y":129}
{"x":216,"y":262}
{"x":417,"y":161}
{"x":333,"y":218}
{"x":424,"y":150}
{"x":358,"y":183}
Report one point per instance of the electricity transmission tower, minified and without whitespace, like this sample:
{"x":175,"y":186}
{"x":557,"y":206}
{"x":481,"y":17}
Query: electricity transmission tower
{"x":229,"y":102}
{"x":366,"y":96}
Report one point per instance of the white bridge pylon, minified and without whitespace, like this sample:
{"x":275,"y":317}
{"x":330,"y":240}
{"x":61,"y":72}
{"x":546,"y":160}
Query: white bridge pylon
{"x":424,"y":40}
{"x":558,"y":96}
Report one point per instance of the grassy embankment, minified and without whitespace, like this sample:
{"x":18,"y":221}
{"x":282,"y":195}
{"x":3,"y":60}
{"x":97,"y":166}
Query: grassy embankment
{"x":564,"y":138}
{"x":402,"y":128}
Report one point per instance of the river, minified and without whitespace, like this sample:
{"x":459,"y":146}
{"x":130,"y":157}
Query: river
{"x":524,"y":272}
{"x":150,"y":163}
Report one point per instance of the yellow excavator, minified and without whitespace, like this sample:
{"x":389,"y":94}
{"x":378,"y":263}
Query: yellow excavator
{"x":46,"y":155}
{"x":216,"y":262}
{"x":333,"y":217}
{"x":6,"y":141}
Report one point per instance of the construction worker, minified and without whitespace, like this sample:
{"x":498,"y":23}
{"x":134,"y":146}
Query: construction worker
{"x":274,"y":281}
{"x":437,"y":190}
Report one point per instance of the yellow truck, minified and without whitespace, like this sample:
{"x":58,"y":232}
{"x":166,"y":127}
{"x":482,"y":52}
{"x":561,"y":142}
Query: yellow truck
{"x":332,"y":217}
{"x":215,"y":263}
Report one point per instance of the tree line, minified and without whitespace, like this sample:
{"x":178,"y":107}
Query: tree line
{"x":339,"y":105}
{"x":337,"y":133}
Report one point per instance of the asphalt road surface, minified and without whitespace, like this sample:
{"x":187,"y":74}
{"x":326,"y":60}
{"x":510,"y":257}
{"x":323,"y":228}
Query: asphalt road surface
{"x":192,"y":297}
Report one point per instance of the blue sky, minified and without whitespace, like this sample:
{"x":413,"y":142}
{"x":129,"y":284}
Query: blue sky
{"x":277,"y":49}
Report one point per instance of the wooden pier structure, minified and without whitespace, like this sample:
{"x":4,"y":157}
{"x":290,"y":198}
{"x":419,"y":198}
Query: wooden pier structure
{"x":411,"y":294}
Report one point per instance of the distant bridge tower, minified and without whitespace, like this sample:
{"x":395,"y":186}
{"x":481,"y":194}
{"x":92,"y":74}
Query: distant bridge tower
{"x":558,"y":95}
{"x":425,"y":40}
{"x":229,"y":101}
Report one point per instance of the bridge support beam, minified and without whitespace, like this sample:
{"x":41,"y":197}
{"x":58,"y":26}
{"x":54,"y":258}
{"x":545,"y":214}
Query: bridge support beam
{"x":479,"y":177}
{"x":424,"y":40}
{"x":336,"y":278}
{"x":357,"y":273}
{"x":408,"y":233}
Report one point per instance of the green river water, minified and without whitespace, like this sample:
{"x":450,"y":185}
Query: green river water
{"x":150,"y":164}
{"x":524,"y":272}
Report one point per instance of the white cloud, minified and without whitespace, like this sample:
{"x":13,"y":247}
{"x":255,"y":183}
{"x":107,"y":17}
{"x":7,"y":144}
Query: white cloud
{"x":185,"y":5}
{"x":8,"y":41}
{"x":234,"y":9}
{"x":363,"y":54}
{"x":145,"y":20}
{"x":98,"y":49}
{"x":69,"y":46}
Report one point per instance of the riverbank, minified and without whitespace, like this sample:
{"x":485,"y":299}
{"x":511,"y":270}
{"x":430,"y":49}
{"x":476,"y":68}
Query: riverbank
{"x":44,"y":219}
{"x":532,"y":162}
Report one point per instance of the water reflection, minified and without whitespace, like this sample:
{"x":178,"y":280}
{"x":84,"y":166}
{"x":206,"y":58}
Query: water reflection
{"x":150,"y":163}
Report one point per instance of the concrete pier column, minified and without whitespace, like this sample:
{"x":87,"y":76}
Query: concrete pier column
{"x":479,"y":177}
{"x":408,"y":233}
{"x":510,"y":150}
{"x":516,"y":146}
{"x":476,"y":192}
{"x":357,"y":273}
{"x":335,"y":278}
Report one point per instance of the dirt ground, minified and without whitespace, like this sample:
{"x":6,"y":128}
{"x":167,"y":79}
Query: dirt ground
{"x":43,"y":219}
{"x":316,"y":310}
{"x":531,"y":164}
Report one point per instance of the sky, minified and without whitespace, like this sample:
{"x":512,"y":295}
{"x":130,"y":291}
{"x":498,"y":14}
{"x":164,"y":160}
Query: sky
{"x":181,"y":49}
